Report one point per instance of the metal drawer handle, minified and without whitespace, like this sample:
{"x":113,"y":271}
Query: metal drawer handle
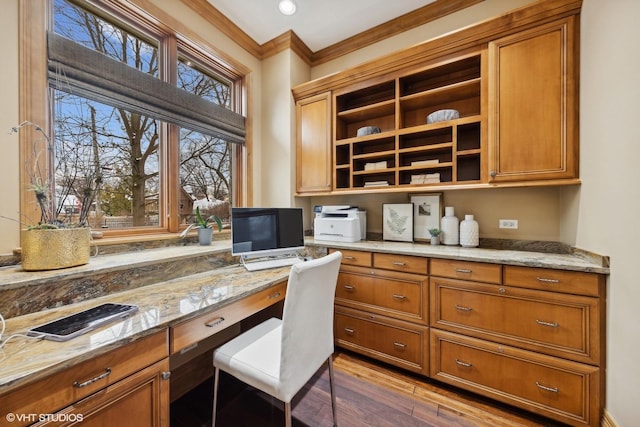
{"x":349,"y":288}
{"x":551,"y":389}
{"x":550,"y":324}
{"x":545,"y":280}
{"x":465,"y":364}
{"x":463,"y":270}
{"x":103,"y":375}
{"x":349,"y":257}
{"x":214,"y":322}
{"x":462,"y":308}
{"x":400,"y":297}
{"x":399,"y":264}
{"x":350,"y":331}
{"x":273,"y":296}
{"x":399,"y":345}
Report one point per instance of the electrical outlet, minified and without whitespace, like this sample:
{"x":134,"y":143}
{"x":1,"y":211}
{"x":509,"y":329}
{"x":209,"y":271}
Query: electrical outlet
{"x":508,"y":223}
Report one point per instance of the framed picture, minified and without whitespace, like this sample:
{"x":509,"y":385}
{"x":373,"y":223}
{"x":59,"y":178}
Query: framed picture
{"x":397,"y":222}
{"x":427,"y":212}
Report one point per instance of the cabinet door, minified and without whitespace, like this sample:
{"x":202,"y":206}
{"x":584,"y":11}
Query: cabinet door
{"x":533,"y":104}
{"x":313,"y":144}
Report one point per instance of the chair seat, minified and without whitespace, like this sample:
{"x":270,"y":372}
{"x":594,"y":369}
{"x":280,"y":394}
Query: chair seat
{"x":254,"y":357}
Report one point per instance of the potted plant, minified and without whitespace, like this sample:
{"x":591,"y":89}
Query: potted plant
{"x":205,"y":231}
{"x":435,"y":235}
{"x":50,"y":243}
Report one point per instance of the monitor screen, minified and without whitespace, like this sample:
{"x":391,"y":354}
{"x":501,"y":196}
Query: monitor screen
{"x":266,"y":231}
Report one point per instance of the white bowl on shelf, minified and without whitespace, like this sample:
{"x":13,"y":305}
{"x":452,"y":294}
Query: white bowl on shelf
{"x":442,"y":115}
{"x":367,"y":130}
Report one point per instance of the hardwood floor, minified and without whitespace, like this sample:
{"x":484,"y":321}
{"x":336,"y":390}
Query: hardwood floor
{"x":368,"y":394}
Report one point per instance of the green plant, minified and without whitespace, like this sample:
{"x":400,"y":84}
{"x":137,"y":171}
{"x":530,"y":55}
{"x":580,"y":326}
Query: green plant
{"x":206,"y":222}
{"x":435,"y":232}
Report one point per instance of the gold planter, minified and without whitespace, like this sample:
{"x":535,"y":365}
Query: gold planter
{"x":54,"y":249}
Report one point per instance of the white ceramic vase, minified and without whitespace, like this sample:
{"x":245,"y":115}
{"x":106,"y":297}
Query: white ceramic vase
{"x":469,"y":232}
{"x":449,"y":225}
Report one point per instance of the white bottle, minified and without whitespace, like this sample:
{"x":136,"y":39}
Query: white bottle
{"x":469,"y":232}
{"x":449,"y":226}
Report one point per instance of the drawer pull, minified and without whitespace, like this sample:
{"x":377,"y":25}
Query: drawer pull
{"x":550,"y":324}
{"x":465,"y":364}
{"x":551,"y":389}
{"x":464,"y":270}
{"x":399,"y":264}
{"x":400,"y":345}
{"x":214,"y":322}
{"x":350,"y":331}
{"x":349,"y":257}
{"x":103,"y":375}
{"x":349,"y":288}
{"x":545,"y":280}
{"x":398,"y":296}
{"x":463,"y":308}
{"x":273,"y":296}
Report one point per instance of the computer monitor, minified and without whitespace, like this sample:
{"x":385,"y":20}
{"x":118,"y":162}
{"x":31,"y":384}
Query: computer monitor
{"x":259,"y":232}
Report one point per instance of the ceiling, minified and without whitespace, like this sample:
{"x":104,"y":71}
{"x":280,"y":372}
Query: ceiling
{"x":318,"y":23}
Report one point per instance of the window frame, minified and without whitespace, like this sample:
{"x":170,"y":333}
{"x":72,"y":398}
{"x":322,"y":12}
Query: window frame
{"x":36,"y":97}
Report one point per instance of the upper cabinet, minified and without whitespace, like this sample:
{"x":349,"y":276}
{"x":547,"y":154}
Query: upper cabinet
{"x":512,"y":81}
{"x":533,"y":123}
{"x":313,"y":144}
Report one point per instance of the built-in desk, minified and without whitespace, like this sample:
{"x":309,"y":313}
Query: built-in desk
{"x":175,"y":315}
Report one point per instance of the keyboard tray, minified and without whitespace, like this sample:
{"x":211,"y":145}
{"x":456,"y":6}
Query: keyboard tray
{"x":68,"y":327}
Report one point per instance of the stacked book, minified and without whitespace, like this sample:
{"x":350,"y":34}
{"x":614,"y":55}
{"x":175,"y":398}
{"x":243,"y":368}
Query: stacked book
{"x":375,"y":165}
{"x":425,"y":178}
{"x":376,"y":184}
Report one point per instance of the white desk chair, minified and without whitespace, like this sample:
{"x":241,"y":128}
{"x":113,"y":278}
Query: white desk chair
{"x":279,"y":357}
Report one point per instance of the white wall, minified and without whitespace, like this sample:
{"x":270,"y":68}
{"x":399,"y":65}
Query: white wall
{"x":609,"y":201}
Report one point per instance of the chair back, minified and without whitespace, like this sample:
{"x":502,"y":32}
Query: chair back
{"x":307,"y":320}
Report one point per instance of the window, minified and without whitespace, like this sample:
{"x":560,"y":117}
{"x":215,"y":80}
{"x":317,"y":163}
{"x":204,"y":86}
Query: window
{"x":144,"y":122}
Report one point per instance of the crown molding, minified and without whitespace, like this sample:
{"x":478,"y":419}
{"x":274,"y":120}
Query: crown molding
{"x":289,"y":39}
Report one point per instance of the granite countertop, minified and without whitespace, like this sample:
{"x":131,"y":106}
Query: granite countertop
{"x":23,"y":360}
{"x":575,"y":261}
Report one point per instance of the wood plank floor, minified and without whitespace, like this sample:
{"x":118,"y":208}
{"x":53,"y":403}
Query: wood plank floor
{"x":368,"y":394}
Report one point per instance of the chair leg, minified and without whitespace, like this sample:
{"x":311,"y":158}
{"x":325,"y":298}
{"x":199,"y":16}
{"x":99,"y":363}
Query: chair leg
{"x":215,"y":396}
{"x":332,"y":385}
{"x":287,"y":414}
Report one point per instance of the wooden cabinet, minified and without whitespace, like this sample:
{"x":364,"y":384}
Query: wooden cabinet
{"x":409,"y":152}
{"x":533,"y":106}
{"x":532,"y":337}
{"x":133,"y":378}
{"x":313,"y":144}
{"x":381,"y":308}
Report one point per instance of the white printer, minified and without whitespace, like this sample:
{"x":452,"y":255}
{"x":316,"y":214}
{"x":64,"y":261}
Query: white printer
{"x":339,"y":223}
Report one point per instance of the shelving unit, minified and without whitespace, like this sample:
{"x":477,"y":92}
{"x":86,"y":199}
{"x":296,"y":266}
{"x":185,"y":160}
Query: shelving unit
{"x":409,"y":152}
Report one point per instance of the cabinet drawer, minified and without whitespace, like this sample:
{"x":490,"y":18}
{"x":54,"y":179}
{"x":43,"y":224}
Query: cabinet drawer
{"x":405,"y":263}
{"x":192,"y":331}
{"x":398,"y":343}
{"x":563,"y":390}
{"x":570,"y":282}
{"x":63,"y":388}
{"x":467,"y":270}
{"x":400,"y":295}
{"x":358,"y":258}
{"x":556,"y":324}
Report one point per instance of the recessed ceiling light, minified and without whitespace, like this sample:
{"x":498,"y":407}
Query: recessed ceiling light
{"x":287,"y":7}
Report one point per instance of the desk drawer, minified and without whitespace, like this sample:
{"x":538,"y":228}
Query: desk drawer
{"x":357,"y":258}
{"x":77,"y":382}
{"x":404,"y":263}
{"x":398,"y":343}
{"x":400,"y":295}
{"x":563,"y":390}
{"x":570,"y":282}
{"x":192,"y":331}
{"x":467,"y":270}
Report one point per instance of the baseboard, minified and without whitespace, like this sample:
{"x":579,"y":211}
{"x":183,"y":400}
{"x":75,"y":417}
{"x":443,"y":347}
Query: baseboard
{"x":607,"y":420}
